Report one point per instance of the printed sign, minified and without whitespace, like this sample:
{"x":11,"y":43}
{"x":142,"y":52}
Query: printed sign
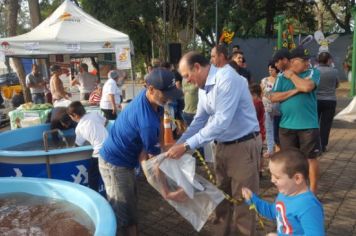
{"x":31,"y":114}
{"x":123,"y":57}
{"x":32,"y":47}
{"x":73,"y":47}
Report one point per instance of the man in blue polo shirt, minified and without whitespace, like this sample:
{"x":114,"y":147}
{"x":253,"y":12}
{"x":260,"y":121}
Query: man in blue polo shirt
{"x":134,"y":137}
{"x":295,"y":89}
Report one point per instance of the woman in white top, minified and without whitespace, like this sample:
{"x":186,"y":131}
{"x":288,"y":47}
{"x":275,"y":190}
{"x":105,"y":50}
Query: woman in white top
{"x":111,"y":94}
{"x":267,"y":85}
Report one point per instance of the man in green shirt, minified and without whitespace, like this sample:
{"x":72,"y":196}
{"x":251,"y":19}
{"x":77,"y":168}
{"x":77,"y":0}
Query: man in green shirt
{"x":295,"y":89}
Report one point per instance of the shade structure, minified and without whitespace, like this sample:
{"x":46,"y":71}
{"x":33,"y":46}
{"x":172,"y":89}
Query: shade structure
{"x":69,"y":30}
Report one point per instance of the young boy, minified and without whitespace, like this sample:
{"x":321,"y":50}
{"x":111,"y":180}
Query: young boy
{"x":256,"y":92}
{"x":296,"y":209}
{"x":91,"y":128}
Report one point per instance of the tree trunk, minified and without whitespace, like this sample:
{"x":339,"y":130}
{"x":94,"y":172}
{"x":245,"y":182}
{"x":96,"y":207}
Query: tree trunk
{"x":270,"y":13}
{"x":34,"y":12}
{"x":12,"y":11}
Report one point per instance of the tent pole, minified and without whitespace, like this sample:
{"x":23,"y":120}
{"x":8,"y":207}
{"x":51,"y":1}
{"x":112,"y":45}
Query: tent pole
{"x":133,"y":78}
{"x":353,"y":68}
{"x":98,"y":69}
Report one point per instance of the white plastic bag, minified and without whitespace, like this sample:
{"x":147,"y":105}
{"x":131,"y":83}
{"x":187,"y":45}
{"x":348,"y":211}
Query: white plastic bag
{"x":191,"y":195}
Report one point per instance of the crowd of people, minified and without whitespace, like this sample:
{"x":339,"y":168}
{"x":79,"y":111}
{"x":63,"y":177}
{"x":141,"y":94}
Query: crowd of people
{"x":290,"y":111}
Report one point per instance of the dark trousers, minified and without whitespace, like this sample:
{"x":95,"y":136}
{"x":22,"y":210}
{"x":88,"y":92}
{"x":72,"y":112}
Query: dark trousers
{"x":108,"y":114}
{"x":326,"y":113}
{"x":94,"y":174}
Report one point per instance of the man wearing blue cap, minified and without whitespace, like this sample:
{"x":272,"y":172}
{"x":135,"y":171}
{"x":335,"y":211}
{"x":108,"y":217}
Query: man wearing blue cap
{"x":295,"y":89}
{"x":134,"y":137}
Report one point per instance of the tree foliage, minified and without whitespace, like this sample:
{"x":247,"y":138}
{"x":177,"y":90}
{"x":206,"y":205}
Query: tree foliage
{"x":340,"y":11}
{"x":148,"y":24}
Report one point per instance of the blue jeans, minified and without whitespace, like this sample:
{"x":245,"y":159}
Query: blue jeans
{"x":38,"y":98}
{"x":269,"y":131}
{"x":276,"y":121}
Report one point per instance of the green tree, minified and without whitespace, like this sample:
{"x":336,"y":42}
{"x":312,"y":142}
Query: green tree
{"x":340,"y":12}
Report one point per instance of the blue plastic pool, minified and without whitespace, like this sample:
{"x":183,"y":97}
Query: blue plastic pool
{"x":92,"y":203}
{"x":69,"y":164}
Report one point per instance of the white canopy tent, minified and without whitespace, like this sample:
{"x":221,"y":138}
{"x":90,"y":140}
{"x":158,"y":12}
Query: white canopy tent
{"x":69,"y":30}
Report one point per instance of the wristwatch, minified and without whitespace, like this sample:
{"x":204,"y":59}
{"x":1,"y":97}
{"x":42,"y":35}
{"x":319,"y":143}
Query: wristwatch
{"x":186,"y":146}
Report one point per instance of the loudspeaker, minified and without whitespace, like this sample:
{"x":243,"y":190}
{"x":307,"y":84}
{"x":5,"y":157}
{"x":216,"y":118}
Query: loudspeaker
{"x":175,"y":52}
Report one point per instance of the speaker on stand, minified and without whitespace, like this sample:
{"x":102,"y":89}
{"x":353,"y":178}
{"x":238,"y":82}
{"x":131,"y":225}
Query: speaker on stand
{"x":174,"y":52}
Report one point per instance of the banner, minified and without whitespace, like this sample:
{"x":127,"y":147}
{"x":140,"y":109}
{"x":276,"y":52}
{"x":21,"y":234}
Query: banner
{"x":32,"y":47}
{"x":123,"y":57}
{"x":72,"y":47}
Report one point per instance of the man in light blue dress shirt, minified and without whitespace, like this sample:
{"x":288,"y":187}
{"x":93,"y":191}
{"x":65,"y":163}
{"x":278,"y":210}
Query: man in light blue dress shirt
{"x":225,"y":115}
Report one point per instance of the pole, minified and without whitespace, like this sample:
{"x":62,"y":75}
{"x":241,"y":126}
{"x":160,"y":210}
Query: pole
{"x":194,"y":22}
{"x":164,"y":30}
{"x":353,"y":73}
{"x":216,"y":22}
{"x":279,"y":20}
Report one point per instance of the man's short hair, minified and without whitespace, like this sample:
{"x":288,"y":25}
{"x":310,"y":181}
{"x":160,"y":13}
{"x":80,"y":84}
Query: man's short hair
{"x":166,"y":65}
{"x":324,"y":57}
{"x":76,"y":108}
{"x":281,"y":54}
{"x":156,"y":62}
{"x":84,"y":66}
{"x":55,"y":68}
{"x":221,"y":49}
{"x":236,"y":46}
{"x":34,"y":66}
{"x":294,"y":162}
{"x":237,"y":52}
{"x":195,"y":57}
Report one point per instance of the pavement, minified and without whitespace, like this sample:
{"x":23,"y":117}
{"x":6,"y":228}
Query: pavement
{"x":337,"y":190}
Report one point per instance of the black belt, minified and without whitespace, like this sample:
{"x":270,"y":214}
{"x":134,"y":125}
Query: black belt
{"x":240,"y":140}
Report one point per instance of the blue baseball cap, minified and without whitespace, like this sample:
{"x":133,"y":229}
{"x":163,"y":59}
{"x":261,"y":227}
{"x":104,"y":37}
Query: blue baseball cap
{"x":164,"y":80}
{"x":300,"y":52}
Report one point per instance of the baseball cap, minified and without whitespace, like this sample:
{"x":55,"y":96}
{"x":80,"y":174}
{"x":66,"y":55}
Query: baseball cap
{"x":300,"y":52}
{"x":113,"y":74}
{"x":280,"y":54}
{"x":164,"y":80}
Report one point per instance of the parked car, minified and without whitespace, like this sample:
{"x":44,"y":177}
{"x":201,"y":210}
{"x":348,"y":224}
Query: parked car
{"x":9,"y":79}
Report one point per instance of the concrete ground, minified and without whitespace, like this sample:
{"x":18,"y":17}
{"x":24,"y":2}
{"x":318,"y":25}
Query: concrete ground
{"x":337,"y":189}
